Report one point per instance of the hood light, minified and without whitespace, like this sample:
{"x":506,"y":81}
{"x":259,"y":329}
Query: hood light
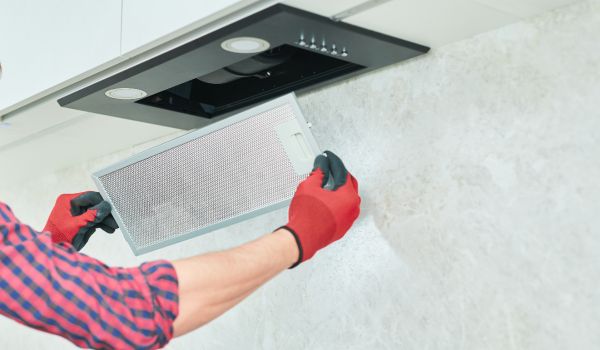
{"x":245,"y":44}
{"x":125,"y":93}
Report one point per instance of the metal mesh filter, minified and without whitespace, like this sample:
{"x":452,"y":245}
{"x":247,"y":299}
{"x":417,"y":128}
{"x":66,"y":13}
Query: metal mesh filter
{"x":210,"y":178}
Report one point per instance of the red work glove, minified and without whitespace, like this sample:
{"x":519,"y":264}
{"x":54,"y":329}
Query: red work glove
{"x":76,"y":217}
{"x":319,"y":216}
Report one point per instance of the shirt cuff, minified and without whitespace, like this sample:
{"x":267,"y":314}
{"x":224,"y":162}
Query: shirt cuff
{"x":162,"y":280}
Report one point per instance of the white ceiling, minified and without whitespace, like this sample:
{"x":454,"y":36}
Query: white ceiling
{"x":46,"y":137}
{"x":434,"y":22}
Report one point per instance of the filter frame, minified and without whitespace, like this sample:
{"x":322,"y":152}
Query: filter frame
{"x":288,"y":99}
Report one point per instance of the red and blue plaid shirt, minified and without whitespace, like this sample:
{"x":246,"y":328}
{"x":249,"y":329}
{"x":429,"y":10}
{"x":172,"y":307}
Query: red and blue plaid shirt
{"x":53,"y":288}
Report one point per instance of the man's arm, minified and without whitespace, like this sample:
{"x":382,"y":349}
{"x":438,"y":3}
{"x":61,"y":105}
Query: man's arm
{"x":211,"y":284}
{"x":53,"y":288}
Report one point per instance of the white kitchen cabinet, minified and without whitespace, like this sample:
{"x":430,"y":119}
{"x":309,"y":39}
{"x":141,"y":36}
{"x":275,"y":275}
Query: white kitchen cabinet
{"x":147,"y":20}
{"x":324,"y":8}
{"x":47,"y":42}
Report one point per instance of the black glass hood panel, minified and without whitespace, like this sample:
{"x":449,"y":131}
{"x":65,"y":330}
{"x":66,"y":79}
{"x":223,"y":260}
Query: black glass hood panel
{"x":266,"y":75}
{"x":200,"y":82}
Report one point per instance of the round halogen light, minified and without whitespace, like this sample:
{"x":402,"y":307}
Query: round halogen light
{"x":126,"y":93}
{"x":245,"y":44}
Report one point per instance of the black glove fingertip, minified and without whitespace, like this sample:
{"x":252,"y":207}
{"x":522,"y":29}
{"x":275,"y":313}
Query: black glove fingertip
{"x":110,"y":222}
{"x":322,"y":163}
{"x":85,"y":201}
{"x":102,"y":211}
{"x":338,"y":170}
{"x":106,"y":228}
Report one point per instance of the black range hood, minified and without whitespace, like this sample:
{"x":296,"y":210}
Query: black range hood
{"x":273,"y":52}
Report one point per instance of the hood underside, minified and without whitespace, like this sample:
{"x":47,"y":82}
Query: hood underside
{"x":268,"y":54}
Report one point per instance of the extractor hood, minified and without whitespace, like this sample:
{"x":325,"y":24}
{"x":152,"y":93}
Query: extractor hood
{"x":268,"y":54}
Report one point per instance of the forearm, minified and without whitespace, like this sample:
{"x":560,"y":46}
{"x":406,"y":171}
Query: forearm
{"x":211,"y":284}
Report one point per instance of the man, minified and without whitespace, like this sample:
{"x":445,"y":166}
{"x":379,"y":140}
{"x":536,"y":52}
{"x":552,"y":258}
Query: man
{"x":46,"y":284}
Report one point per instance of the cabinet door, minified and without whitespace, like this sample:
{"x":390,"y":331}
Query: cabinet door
{"x":46,"y":42}
{"x":147,"y":20}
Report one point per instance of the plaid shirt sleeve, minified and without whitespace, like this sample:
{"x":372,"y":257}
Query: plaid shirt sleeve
{"x":55,"y":289}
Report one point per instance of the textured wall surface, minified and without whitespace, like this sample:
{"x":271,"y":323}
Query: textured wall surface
{"x":479,"y":167}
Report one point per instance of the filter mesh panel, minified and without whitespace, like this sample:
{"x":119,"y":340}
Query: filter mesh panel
{"x":235,"y":170}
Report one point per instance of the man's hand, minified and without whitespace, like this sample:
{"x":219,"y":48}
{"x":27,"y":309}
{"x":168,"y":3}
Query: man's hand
{"x":76,"y":217}
{"x":319,"y":216}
